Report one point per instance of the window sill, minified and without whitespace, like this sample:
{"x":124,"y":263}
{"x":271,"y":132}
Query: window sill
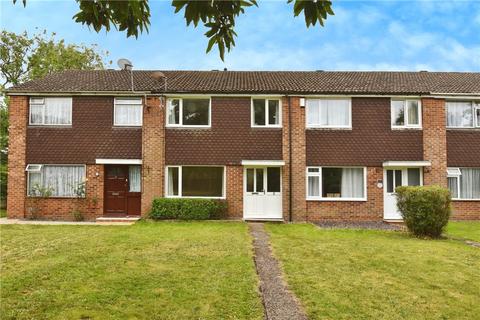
{"x":179,"y":197}
{"x":337,"y":199}
{"x":330,"y":128}
{"x":53,"y":198}
{"x":463,"y":128}
{"x":407,"y":128}
{"x":266,"y":127}
{"x":188,"y":127}
{"x":53,"y":126}
{"x":126,"y":127}
{"x":469,"y":200}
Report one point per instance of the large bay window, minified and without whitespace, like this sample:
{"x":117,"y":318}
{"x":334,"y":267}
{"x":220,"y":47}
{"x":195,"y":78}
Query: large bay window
{"x":339,"y":183}
{"x":406,"y":114}
{"x":266,"y":113}
{"x":464,"y":114}
{"x":195,"y":181}
{"x":128,"y":112}
{"x":329,"y":113}
{"x":52,"y":111}
{"x":56,"y":180}
{"x":188,"y":112}
{"x":464,"y":183}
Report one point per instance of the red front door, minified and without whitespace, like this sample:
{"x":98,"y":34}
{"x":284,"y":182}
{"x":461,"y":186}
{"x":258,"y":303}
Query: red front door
{"x":116,"y":186}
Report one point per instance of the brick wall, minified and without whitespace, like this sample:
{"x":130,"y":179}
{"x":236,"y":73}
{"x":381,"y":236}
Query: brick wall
{"x":234,"y":189}
{"x":370,"y":210}
{"x":465,"y":210}
{"x":18,"y":116}
{"x":89,"y":207}
{"x":434,"y":141}
{"x":298,"y":160}
{"x":463,"y":147}
{"x":153,"y":152}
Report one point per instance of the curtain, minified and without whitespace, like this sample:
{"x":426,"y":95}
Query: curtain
{"x":352,"y":183}
{"x":36,"y":113}
{"x":172,"y":181}
{"x":58,"y":111}
{"x":174,"y":111}
{"x":313,"y":111}
{"x":134,"y":178}
{"x":470,"y":183}
{"x":453,"y":186}
{"x":273,"y":112}
{"x":412,"y":107}
{"x":128,"y":114}
{"x":459,"y":114}
{"x":63,"y":180}
{"x":314,"y":186}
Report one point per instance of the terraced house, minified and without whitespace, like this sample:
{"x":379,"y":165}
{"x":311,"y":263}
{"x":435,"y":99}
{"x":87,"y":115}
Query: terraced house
{"x":300,"y":146}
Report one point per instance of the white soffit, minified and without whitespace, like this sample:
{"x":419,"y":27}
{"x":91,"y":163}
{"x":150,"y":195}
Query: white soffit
{"x":118,"y":161}
{"x":407,"y":164}
{"x":277,"y":163}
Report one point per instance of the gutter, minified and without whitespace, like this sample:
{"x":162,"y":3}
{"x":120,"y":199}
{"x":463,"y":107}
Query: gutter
{"x":290,"y":197}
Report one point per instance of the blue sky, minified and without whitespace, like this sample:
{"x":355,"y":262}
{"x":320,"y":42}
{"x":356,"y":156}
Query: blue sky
{"x":363,"y":35}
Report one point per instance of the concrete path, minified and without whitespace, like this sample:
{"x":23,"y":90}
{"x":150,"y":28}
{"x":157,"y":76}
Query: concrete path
{"x":58,"y":223}
{"x":278,"y":301}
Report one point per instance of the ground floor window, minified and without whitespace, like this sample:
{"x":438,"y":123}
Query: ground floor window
{"x":195,"y":181}
{"x":464,"y":183}
{"x":56,"y":180}
{"x":336,"y":183}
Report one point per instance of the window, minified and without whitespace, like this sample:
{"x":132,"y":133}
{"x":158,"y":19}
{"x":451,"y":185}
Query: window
{"x":463,"y":114}
{"x":56,"y":180}
{"x":406,"y":114}
{"x":329,"y":113}
{"x":134,"y":178}
{"x":192,"y":112}
{"x":266,"y":113}
{"x":326,"y":183}
{"x":50,"y":111}
{"x":464,"y":183}
{"x":193,"y":181}
{"x":128,"y":112}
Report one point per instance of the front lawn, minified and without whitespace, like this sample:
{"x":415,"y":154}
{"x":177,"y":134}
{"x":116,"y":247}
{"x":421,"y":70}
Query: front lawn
{"x":360,"y":274}
{"x":146,"y":271}
{"x":469,"y":230}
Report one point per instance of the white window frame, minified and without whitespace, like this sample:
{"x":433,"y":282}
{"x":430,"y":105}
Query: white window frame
{"x":475,"y":106}
{"x":180,"y":124}
{"x":43,"y":102}
{"x":406,"y":125}
{"x":318,"y":126}
{"x":180,"y":169}
{"x":319,"y":174}
{"x":266,"y":125}
{"x":35,"y":170}
{"x":452,"y":173}
{"x":138,"y":101}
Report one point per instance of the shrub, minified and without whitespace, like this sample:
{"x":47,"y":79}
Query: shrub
{"x":425,"y":210}
{"x":187,"y":209}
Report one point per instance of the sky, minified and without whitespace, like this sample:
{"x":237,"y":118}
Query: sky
{"x":363,"y":35}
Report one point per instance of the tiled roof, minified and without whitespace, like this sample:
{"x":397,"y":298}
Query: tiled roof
{"x":292,"y":82}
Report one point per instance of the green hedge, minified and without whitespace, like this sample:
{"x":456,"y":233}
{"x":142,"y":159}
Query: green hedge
{"x":188,"y":209}
{"x":425,"y":210}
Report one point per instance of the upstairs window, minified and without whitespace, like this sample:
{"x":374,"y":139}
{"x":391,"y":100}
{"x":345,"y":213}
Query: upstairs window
{"x":266,"y":113}
{"x":50,"y":111}
{"x":128,"y":112}
{"x":329,"y":113}
{"x":464,"y":183}
{"x":463,"y":114}
{"x":191,"y":112}
{"x":406,"y":114}
{"x":66,"y":181}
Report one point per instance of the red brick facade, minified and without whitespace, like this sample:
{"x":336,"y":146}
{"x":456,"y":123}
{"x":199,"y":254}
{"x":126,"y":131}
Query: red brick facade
{"x":369,"y":143}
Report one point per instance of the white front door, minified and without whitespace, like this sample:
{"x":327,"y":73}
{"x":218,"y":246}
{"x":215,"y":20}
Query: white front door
{"x":393,"y":178}
{"x":262,"y":197}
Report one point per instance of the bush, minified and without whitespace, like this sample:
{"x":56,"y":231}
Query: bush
{"x":425,"y":210}
{"x":188,"y":209}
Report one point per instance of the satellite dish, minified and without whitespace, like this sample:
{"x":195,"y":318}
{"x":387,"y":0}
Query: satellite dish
{"x":124,"y":64}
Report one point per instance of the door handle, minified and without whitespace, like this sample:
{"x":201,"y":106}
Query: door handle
{"x":254,"y":192}
{"x":115,"y":193}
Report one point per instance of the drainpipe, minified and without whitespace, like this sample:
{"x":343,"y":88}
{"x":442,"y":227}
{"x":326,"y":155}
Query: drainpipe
{"x":289,"y":160}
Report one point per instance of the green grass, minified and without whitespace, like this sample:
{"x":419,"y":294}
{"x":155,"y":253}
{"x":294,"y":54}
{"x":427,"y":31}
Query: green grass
{"x":146,"y":271}
{"x":466,"y":229}
{"x":360,"y":274}
{"x":3,"y":213}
